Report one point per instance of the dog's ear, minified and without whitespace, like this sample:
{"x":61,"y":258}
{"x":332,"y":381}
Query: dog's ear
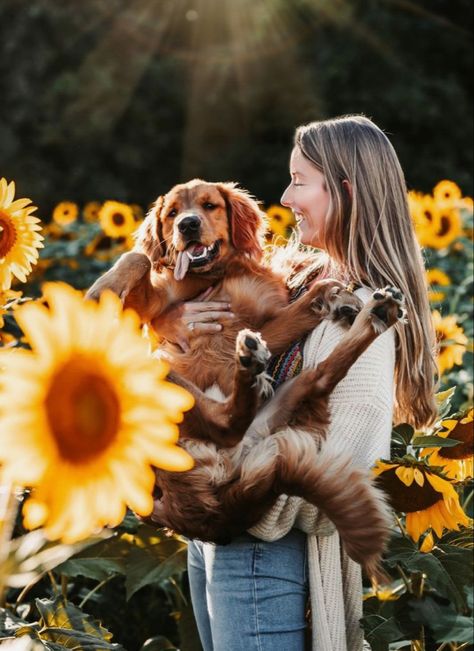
{"x":247,"y":221}
{"x":149,"y":237}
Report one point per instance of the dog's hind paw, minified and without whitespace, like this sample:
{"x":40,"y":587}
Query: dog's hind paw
{"x":252,"y":351}
{"x":386,"y":307}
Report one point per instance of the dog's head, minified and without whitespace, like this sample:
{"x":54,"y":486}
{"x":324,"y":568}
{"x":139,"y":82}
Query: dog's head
{"x":198,"y":226}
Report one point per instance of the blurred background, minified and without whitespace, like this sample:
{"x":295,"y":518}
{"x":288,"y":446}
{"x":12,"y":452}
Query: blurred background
{"x":120,"y":99}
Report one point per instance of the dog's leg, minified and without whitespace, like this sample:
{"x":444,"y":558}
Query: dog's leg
{"x":304,"y":398}
{"x":291,"y":463}
{"x":130,"y":279}
{"x":225,"y":422}
{"x":325,"y":299}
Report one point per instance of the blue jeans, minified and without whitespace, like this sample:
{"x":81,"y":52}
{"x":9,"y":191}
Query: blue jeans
{"x":250,"y":595}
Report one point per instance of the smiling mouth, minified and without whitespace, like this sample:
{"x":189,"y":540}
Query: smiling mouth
{"x":195,"y":256}
{"x":200,"y":255}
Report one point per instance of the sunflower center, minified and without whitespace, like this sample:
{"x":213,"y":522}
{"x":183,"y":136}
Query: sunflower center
{"x":462,"y":432}
{"x":445,"y":226}
{"x":83,"y":411}
{"x":8,"y":234}
{"x":118,"y":219}
{"x":428,"y":214}
{"x":407,"y":498}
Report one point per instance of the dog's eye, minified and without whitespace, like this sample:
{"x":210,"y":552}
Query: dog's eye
{"x":209,"y":206}
{"x":173,"y":212}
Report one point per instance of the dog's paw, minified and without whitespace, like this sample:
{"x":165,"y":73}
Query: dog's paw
{"x":252,"y":351}
{"x":386,"y":307}
{"x":345,"y":306}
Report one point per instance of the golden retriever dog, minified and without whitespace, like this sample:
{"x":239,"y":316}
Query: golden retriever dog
{"x":202,"y":235}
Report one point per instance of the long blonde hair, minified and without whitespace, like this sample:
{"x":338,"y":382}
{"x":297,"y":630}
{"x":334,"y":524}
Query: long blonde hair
{"x":369,"y":238}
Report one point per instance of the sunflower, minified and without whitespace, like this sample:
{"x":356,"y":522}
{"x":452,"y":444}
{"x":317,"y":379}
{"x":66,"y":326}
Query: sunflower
{"x":446,"y":228}
{"x":280,"y":220}
{"x":85,"y":414}
{"x":91,"y":210}
{"x":437,"y":277}
{"x":446,"y":193}
{"x":19,"y":236}
{"x":457,"y":461}
{"x":65,"y":213}
{"x":117,"y":219}
{"x":425,"y":216}
{"x":427,"y":499}
{"x":451,"y":340}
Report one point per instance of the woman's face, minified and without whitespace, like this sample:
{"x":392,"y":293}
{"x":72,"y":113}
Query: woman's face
{"x":307,"y":196}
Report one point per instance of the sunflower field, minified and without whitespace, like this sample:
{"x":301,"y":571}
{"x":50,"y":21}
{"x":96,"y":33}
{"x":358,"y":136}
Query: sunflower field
{"x":78,"y":568}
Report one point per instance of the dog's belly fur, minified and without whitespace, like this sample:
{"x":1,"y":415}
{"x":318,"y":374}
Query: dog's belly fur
{"x":211,"y":359}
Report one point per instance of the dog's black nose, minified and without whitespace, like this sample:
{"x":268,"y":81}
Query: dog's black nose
{"x":189,"y":225}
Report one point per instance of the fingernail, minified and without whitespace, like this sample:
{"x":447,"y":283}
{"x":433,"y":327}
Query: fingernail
{"x":218,"y":326}
{"x":231,"y":314}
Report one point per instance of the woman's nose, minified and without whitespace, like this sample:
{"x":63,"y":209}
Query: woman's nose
{"x":286,"y":198}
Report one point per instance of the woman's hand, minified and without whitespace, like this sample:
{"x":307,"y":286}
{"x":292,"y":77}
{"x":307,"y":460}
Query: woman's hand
{"x":181,"y":322}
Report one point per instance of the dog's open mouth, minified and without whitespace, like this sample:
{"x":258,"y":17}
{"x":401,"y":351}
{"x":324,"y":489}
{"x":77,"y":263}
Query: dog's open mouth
{"x":195,"y":255}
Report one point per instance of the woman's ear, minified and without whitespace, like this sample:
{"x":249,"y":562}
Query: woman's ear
{"x":247,"y":222}
{"x":347,"y":188}
{"x":149,"y":237}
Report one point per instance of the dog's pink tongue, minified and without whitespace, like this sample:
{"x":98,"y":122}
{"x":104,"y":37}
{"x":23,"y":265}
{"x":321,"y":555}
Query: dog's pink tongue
{"x":182,"y":264}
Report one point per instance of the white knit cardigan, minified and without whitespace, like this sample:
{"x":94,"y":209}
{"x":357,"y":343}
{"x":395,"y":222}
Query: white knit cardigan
{"x":361,"y":409}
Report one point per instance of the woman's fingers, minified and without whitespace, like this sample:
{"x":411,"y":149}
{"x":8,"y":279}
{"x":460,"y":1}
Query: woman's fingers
{"x":199,"y":328}
{"x":197,"y":307}
{"x":205,"y":317}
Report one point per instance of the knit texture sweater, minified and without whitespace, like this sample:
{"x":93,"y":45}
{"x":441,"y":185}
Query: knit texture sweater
{"x":361,"y":410}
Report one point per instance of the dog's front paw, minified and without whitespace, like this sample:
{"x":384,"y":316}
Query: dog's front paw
{"x":252,"y":351}
{"x":386,"y":307}
{"x":345,"y":306}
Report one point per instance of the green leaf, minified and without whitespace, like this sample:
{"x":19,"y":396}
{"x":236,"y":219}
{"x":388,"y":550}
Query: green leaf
{"x":99,"y":561}
{"x":402,"y":434}
{"x":433,"y":442}
{"x":58,"y":613}
{"x":9,"y":623}
{"x":379,"y":631}
{"x":155,"y":565}
{"x":445,"y":624}
{"x":77,"y":640}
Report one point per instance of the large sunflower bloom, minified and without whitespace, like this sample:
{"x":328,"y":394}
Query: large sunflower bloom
{"x":447,"y":193}
{"x":437,"y":277}
{"x":451,"y":340}
{"x":425,"y":216}
{"x":19,"y":236}
{"x":65,"y":213}
{"x":428,"y":500}
{"x":86,"y":414}
{"x":117,"y":219}
{"x":457,"y":461}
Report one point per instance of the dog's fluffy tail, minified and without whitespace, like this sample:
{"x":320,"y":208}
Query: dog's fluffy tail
{"x":291,"y":462}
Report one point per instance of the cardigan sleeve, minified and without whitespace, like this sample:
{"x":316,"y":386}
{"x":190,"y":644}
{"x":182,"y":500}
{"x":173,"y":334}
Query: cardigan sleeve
{"x":361,"y":410}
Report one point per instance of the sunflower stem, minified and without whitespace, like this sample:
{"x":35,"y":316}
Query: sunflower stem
{"x":402,"y":528}
{"x":8,"y":511}
{"x":64,"y":583}
{"x":53,"y":583}
{"x":26,"y":589}
{"x":467,"y":500}
{"x":405,"y":579}
{"x":96,"y":588}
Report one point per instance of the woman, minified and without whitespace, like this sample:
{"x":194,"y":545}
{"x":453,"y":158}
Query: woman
{"x":348,"y":194}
